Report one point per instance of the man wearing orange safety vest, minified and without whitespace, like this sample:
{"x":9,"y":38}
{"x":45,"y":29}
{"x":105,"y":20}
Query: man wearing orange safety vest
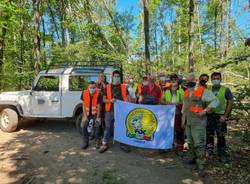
{"x":91,"y":121}
{"x":113,"y":92}
{"x":198,"y":101}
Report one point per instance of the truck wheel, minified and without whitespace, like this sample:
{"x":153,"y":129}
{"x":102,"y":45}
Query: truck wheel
{"x":78,"y":123}
{"x":8,"y":120}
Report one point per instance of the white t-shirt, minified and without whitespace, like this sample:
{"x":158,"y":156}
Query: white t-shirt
{"x":131,"y":92}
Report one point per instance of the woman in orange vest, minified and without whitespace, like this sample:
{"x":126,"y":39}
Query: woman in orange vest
{"x":91,"y":119}
{"x":113,"y":92}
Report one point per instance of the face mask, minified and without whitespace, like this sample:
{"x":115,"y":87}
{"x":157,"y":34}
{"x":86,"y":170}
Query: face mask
{"x":131,"y":81}
{"x":191,"y":84}
{"x":91,"y":91}
{"x":162,"y":79}
{"x":216,"y":82}
{"x":203,"y":82}
{"x":116,"y":80}
{"x":145,"y":83}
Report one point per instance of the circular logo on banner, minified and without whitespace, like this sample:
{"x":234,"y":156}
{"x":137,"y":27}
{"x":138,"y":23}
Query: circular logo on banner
{"x":141,"y":124}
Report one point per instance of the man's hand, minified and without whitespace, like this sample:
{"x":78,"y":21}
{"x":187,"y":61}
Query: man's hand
{"x":98,"y":120}
{"x":84,"y":119}
{"x":201,"y":114}
{"x":140,"y":99}
{"x":113,"y":100}
{"x":222,"y":119}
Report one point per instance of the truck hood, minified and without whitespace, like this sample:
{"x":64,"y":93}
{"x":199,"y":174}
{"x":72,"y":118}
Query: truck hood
{"x":13,"y":96}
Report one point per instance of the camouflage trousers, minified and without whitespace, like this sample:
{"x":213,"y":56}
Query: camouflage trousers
{"x":196,"y":138}
{"x":220,"y":128}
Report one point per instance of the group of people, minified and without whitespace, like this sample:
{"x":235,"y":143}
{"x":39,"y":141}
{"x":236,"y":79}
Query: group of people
{"x":201,"y":110}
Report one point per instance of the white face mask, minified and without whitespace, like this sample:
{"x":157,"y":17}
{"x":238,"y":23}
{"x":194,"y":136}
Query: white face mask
{"x":116,"y":80}
{"x":131,"y":81}
{"x":145,"y":83}
{"x":162,"y":79}
{"x":91,"y":91}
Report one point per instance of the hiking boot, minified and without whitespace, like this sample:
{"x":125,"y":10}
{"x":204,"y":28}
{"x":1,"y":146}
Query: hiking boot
{"x":201,"y":173}
{"x":98,"y":144}
{"x":91,"y":137}
{"x":223,"y":159}
{"x":85,"y":145}
{"x":190,"y":162}
{"x":125,"y":148}
{"x":103,"y":148}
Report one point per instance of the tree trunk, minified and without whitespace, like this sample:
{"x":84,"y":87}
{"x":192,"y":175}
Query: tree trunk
{"x":191,"y":36}
{"x":215,"y":28}
{"x":117,"y":28}
{"x":44,"y":40}
{"x":62,"y":15}
{"x":21,"y":46}
{"x":229,"y":23}
{"x":2,"y":43}
{"x":199,"y":32}
{"x":53,"y":21}
{"x":146,"y":33}
{"x":37,"y":38}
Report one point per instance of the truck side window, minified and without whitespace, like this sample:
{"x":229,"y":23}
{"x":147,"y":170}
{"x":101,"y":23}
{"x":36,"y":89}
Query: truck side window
{"x":47,"y":83}
{"x":78,"y":83}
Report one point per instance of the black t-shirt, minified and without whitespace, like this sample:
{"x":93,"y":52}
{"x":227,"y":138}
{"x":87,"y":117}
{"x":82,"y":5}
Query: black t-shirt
{"x":116,"y":91}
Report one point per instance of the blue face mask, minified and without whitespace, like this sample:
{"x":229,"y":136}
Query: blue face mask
{"x":216,"y":82}
{"x":91,"y":91}
{"x":116,"y":80}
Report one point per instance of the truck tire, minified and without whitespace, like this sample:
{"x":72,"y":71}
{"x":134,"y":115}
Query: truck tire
{"x":78,"y":123}
{"x":8,"y":120}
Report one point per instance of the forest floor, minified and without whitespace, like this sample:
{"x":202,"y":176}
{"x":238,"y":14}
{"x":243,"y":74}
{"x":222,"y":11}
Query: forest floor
{"x":49,"y":152}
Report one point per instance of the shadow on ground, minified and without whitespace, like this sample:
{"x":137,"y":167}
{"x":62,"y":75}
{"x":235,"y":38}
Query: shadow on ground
{"x":49,"y":152}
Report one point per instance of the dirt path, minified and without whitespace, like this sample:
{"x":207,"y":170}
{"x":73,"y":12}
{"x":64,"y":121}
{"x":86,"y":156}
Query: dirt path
{"x":49,"y":152}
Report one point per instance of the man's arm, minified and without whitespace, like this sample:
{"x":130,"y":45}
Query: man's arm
{"x":84,"y":114}
{"x":210,"y":99}
{"x":129,"y":99}
{"x":99,"y":107}
{"x":229,"y":107}
{"x":141,"y":95}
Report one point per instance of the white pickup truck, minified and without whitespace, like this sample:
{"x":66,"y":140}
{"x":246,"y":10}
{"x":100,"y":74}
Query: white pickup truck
{"x":55,"y":95}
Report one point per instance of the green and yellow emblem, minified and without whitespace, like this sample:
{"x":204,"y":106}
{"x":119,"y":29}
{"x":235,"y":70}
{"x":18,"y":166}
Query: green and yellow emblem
{"x":141,"y":124}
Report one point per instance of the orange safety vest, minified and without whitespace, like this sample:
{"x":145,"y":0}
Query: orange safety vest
{"x":168,"y":85}
{"x":139,"y":89}
{"x":86,"y":101}
{"x":109,"y":95}
{"x":197,"y":94}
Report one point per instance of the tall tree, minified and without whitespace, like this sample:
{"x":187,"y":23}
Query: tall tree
{"x":37,"y":37}
{"x":62,"y":19}
{"x":191,"y":28}
{"x":146,"y":33}
{"x":4,"y":14}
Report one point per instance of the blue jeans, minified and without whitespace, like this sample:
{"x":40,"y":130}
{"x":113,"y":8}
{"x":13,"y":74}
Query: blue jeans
{"x":109,"y":127}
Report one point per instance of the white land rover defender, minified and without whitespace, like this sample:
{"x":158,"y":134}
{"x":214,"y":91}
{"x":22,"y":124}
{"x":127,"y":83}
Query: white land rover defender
{"x":55,"y":95}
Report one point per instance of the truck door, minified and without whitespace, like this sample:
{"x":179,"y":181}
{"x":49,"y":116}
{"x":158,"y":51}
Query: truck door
{"x":46,"y":97}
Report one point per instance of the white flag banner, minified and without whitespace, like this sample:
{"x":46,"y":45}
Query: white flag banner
{"x":145,"y":126}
